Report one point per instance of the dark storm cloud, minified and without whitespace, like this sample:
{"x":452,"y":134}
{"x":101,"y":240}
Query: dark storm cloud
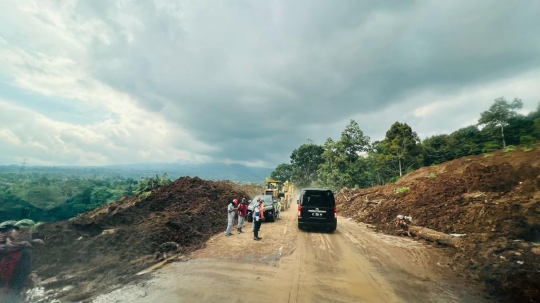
{"x":256,"y":79}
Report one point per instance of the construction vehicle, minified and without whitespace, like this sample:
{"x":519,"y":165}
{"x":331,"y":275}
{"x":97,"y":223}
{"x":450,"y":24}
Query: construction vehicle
{"x":281,"y":191}
{"x":288,"y":190}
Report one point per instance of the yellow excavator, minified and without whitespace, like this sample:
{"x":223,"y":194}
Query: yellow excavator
{"x":281,"y":191}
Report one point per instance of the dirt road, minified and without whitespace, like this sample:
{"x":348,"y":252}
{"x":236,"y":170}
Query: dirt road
{"x":353,"y":264}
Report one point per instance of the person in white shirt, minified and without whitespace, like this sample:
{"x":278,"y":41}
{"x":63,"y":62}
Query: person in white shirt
{"x":231,"y":208}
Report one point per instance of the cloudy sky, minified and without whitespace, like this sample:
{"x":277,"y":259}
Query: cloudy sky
{"x":115,"y":82}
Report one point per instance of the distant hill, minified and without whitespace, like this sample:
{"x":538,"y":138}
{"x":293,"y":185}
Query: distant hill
{"x":209,"y":171}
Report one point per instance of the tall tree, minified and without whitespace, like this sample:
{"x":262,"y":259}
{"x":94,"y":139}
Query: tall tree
{"x":379,"y":162}
{"x":305,"y":161}
{"x":354,"y":141}
{"x":499,"y":113}
{"x":283,"y":172}
{"x":402,"y":147}
{"x":330,"y":173}
{"x":344,"y":162}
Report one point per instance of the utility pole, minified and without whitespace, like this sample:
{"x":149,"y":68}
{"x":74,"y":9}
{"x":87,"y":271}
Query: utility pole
{"x":22,"y":167}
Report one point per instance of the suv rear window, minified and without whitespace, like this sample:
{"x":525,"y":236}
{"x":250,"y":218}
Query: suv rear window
{"x":318,"y":198}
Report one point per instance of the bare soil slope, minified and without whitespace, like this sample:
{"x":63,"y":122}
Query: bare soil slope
{"x":493,"y":199}
{"x":105,"y":247}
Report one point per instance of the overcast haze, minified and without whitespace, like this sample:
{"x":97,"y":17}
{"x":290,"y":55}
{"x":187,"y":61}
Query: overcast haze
{"x":117,"y":82}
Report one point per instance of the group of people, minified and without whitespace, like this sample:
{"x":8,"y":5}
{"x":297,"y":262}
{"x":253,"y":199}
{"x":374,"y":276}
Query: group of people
{"x":234,"y":209}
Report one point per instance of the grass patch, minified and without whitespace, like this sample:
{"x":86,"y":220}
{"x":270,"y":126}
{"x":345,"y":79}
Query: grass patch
{"x":402,"y":189}
{"x":431,"y":176}
{"x":488,"y":155}
{"x":509,"y":149}
{"x":527,"y":148}
{"x":144,"y":195}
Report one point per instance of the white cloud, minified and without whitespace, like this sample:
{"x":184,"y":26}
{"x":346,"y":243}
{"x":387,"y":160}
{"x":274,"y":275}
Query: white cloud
{"x":164,"y":81}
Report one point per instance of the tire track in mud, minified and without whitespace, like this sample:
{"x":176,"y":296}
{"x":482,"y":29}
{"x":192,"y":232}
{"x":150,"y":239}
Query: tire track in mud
{"x":353,"y":264}
{"x":333,"y":270}
{"x":412,"y":268}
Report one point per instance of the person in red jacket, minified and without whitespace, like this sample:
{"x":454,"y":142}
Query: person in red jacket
{"x":242,"y":211}
{"x":15,"y":262}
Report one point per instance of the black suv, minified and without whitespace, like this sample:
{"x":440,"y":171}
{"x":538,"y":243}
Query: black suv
{"x":317,"y":208}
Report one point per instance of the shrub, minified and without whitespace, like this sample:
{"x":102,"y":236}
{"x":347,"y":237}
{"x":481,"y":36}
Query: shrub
{"x":490,"y":147}
{"x":402,"y":189}
{"x":509,"y":148}
{"x":527,"y":142}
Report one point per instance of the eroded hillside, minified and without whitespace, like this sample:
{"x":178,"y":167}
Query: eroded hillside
{"x":493,"y":199}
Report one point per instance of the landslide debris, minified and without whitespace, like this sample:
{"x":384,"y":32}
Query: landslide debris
{"x":493,"y":199}
{"x":104,"y":248}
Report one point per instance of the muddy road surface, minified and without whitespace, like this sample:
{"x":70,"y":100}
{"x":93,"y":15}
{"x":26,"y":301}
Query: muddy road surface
{"x":353,"y":264}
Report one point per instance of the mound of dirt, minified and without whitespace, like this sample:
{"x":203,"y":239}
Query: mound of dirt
{"x":104,"y":248}
{"x":494,"y":200}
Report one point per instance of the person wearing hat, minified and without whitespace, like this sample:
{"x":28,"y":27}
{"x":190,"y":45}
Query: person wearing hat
{"x":231,"y":212}
{"x":242,"y":210}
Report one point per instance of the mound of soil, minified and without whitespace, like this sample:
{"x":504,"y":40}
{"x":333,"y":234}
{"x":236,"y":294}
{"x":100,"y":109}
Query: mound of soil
{"x":494,"y":200}
{"x":104,"y":248}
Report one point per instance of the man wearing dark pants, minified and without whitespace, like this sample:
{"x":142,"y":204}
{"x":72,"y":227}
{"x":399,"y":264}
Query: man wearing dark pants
{"x":257,"y":220}
{"x":242,"y":210}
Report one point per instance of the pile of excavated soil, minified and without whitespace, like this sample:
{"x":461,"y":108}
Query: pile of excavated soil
{"x":107,"y":246}
{"x":250,"y":189}
{"x":494,"y":200}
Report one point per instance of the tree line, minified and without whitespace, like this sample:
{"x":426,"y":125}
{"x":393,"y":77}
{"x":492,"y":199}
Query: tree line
{"x":354,"y":160}
{"x":41,"y":197}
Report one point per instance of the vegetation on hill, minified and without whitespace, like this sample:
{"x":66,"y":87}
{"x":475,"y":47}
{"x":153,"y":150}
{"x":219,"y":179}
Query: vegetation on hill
{"x":43,"y":198}
{"x":355,"y":161}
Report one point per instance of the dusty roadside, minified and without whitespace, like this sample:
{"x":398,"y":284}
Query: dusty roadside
{"x":353,"y":264}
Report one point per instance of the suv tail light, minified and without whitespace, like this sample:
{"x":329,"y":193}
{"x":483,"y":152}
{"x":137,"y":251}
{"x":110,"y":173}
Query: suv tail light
{"x":335,"y":212}
{"x":299,"y":210}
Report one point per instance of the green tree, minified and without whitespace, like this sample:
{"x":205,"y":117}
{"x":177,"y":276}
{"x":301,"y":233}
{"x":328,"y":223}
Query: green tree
{"x":535,"y":114}
{"x":468,"y":141}
{"x":401,"y":146}
{"x":344,"y":162}
{"x":305,"y":161}
{"x":353,"y":141}
{"x":99,"y":196}
{"x":282,"y":172}
{"x":499,"y":113}
{"x":378,"y":162}
{"x":438,"y":149}
{"x":517,"y":127}
{"x":331,"y":170}
{"x":536,"y":128}
{"x":527,"y":141}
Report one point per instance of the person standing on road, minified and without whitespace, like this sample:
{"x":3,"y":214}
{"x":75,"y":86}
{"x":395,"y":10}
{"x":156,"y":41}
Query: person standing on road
{"x":257,"y":219}
{"x":230,"y":219}
{"x":242,"y":210}
{"x":278,"y":210}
